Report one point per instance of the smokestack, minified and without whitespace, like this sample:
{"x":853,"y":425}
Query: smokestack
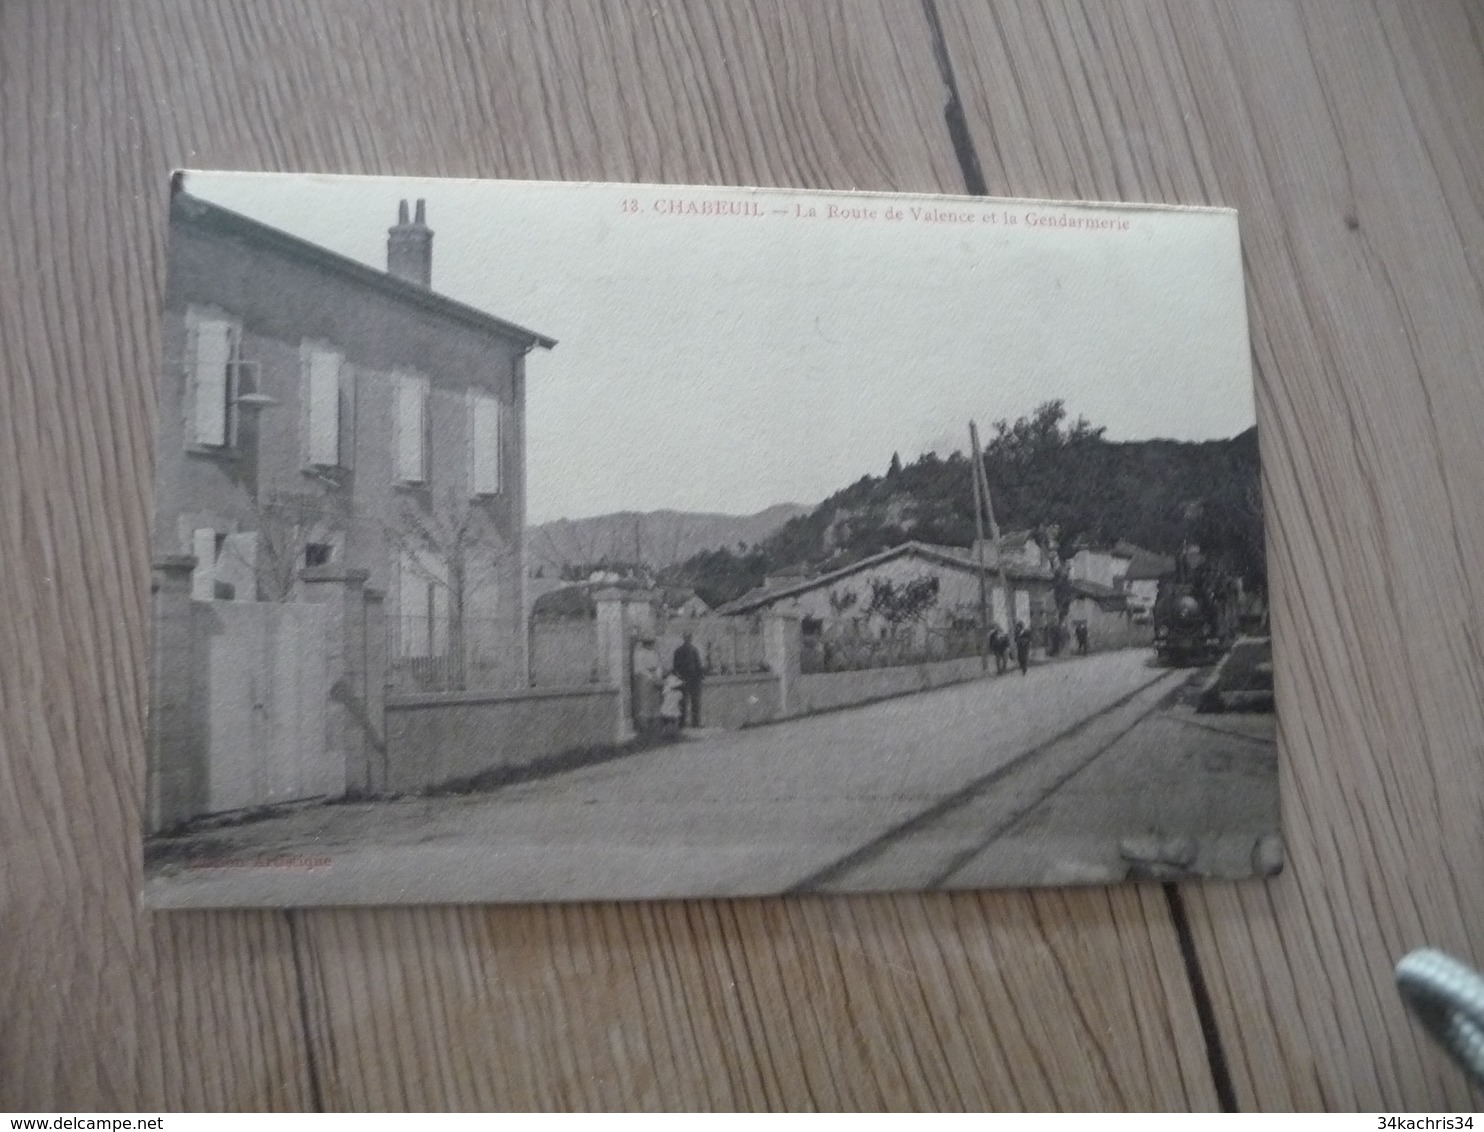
{"x":409,"y":247}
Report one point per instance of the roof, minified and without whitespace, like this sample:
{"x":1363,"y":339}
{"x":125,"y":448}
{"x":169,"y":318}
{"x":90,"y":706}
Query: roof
{"x":578,"y":599}
{"x":214,"y":219}
{"x":569,"y":601}
{"x":1145,"y":565}
{"x":1118,"y":550}
{"x":1105,"y":596}
{"x":1015,"y":538}
{"x":952,"y":556}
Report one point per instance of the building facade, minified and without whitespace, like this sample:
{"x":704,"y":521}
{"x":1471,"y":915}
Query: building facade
{"x":843,"y":597}
{"x":316,"y":412}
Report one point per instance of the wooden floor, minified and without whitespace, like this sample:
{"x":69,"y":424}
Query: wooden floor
{"x":1348,"y":134}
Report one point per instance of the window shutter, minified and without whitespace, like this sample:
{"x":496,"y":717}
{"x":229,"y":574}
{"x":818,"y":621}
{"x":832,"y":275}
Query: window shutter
{"x":238,"y":565}
{"x":486,"y":444}
{"x":212,"y":384}
{"x":323,"y":449}
{"x":203,"y":577}
{"x":345,"y":425}
{"x":411,"y":430}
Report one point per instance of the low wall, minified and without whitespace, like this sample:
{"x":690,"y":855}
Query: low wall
{"x":821,"y":691}
{"x":740,"y":699}
{"x":436,"y":738}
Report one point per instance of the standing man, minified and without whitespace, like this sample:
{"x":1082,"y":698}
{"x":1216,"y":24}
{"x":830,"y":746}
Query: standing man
{"x":999,"y":644}
{"x":688,"y":667}
{"x":1023,"y":647}
{"x":1081,"y":631}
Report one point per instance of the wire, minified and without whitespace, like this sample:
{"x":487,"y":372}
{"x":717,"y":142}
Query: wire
{"x":1448,"y":998}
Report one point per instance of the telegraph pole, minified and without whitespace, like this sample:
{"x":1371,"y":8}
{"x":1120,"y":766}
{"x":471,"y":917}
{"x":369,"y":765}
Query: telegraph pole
{"x":979,"y":551}
{"x":981,"y":484}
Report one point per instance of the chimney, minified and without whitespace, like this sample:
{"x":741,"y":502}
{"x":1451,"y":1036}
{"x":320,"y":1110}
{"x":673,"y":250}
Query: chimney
{"x":409,"y":247}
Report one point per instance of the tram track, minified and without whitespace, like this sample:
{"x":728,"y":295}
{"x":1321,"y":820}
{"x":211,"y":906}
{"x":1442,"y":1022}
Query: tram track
{"x":846,"y":871}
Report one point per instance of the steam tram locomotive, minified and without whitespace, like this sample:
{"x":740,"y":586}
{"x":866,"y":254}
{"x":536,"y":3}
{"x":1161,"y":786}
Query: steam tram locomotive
{"x":1196,"y":614}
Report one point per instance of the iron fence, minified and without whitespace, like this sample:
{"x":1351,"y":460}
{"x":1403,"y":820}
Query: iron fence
{"x":848,"y":650}
{"x":438,"y":654}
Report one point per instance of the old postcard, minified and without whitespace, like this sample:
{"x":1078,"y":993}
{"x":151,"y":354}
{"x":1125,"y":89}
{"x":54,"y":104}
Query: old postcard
{"x":526,"y":541}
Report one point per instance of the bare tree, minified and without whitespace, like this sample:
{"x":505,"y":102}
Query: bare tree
{"x":285,"y":523}
{"x":450,"y":543}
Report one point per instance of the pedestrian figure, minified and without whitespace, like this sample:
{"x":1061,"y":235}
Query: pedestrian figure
{"x":672,"y":701}
{"x":646,"y":684}
{"x":1081,"y":630}
{"x":687,"y":665}
{"x":999,"y":644}
{"x":1022,"y":647}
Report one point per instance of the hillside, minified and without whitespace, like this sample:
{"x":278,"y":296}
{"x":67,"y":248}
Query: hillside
{"x":1063,"y":480}
{"x":657,"y":538}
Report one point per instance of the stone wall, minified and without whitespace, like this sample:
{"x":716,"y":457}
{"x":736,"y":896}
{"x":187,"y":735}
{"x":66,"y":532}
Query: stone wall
{"x":740,"y":700}
{"x":438,"y":738}
{"x":822,"y":691}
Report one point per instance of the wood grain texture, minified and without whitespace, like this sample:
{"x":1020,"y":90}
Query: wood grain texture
{"x":1367,"y":339}
{"x":896,"y":1002}
{"x":1342,"y":134}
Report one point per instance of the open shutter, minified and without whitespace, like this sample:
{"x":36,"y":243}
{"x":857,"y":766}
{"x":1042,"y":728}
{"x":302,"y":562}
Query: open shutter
{"x":323,"y":397}
{"x":211,"y":381}
{"x":411,"y":429}
{"x":237,"y":565}
{"x":485,"y":426}
{"x":203,"y":577}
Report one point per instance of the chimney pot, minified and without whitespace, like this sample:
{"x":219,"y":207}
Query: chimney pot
{"x":409,"y":247}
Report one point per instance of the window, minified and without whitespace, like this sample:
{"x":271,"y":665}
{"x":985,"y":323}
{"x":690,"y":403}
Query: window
{"x":485,"y":426}
{"x":326,"y":410}
{"x":413,"y":431}
{"x":215,"y":361}
{"x":318,"y":554}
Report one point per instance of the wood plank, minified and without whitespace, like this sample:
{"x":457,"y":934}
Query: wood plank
{"x":944,"y":1002}
{"x":1343,"y":135}
{"x":813,"y":96}
{"x":106,"y":1006}
{"x":985,"y":1000}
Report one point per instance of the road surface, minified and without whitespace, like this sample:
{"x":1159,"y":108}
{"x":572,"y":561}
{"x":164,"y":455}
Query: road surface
{"x":1085,"y":770}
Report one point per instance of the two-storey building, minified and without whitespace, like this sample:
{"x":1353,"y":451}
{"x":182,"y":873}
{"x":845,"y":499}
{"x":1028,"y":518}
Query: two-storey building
{"x":318,"y":412}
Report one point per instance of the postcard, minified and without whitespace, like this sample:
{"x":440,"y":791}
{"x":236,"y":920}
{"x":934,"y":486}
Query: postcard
{"x":526,"y":541}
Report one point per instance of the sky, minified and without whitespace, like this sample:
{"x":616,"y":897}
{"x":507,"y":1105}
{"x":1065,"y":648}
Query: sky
{"x":729,"y":362}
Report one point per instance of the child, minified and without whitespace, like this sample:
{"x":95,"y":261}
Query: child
{"x":670,"y":699}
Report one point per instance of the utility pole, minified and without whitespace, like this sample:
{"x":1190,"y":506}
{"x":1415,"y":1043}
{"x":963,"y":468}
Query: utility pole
{"x":979,"y":552}
{"x":981,"y":481}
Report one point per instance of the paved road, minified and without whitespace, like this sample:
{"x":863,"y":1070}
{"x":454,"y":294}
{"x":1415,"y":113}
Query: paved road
{"x":903,"y":793}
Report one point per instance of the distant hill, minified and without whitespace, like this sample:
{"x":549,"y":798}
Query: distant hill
{"x":1060,"y":479}
{"x":657,"y":538}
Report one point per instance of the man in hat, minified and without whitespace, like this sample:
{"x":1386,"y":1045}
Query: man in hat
{"x":1023,"y":646}
{"x":688,"y":667}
